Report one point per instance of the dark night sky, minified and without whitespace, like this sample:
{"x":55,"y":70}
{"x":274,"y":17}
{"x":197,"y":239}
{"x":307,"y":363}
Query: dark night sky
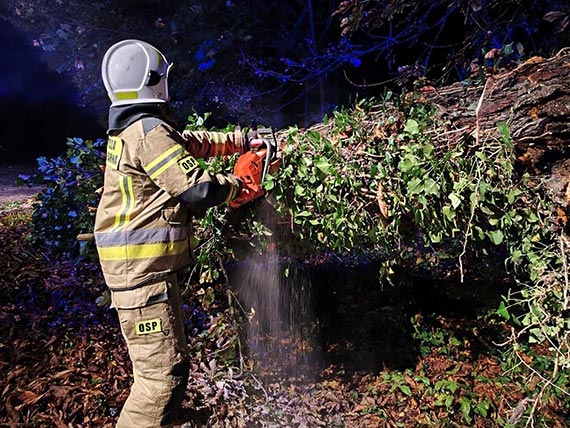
{"x":37,"y":105}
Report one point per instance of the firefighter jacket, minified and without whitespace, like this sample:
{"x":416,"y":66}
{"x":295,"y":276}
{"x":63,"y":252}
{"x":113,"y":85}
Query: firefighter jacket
{"x":153,"y":186}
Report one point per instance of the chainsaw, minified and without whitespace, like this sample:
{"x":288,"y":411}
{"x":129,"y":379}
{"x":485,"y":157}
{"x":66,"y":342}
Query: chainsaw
{"x":253,"y":167}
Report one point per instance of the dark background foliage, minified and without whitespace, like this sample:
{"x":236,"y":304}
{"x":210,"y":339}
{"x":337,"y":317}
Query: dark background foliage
{"x":271,"y":62}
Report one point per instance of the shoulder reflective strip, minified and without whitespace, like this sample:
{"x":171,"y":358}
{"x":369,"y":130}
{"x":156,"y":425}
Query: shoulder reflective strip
{"x":162,"y":162}
{"x":148,"y":326}
{"x":123,"y":215}
{"x":142,"y":251}
{"x":141,"y":236}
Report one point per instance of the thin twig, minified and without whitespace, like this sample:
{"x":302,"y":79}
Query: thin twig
{"x":261,"y":386}
{"x":538,"y":397}
{"x":562,"y":390}
{"x":479,"y":104}
{"x":565,"y":307}
{"x":468,"y":231}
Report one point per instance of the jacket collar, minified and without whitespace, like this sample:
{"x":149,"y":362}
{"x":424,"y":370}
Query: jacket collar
{"x":121,"y":117}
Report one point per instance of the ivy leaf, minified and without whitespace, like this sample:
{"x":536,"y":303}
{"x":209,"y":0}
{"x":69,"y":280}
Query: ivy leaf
{"x":406,"y":390}
{"x":448,"y":212}
{"x":269,"y":183}
{"x":412,"y":127}
{"x":483,"y":408}
{"x":430,"y":187}
{"x":504,"y":130}
{"x":415,"y":186}
{"x":482,"y":156}
{"x":323,"y":165}
{"x":408,"y":163}
{"x":465,"y":408}
{"x":496,"y":236}
{"x":503,"y":311}
{"x":455,"y":200}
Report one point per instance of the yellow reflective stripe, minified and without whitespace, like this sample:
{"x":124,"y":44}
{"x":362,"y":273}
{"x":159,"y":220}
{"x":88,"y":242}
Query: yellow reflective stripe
{"x":142,"y":251}
{"x":164,"y":161}
{"x":127,"y":195}
{"x":163,"y":167}
{"x":131,"y":197}
{"x":119,"y":215}
{"x":218,"y":140}
{"x":232,"y":193}
{"x":127,"y":95}
{"x":162,"y":157}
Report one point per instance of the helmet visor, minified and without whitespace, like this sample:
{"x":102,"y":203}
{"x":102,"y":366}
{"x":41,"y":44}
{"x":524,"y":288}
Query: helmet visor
{"x":154,"y":77}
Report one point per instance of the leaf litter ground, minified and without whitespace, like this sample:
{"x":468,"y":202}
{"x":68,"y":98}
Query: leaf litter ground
{"x":63,"y":362}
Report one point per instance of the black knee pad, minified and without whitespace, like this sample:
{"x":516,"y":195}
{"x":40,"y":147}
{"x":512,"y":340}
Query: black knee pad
{"x":180,"y":373}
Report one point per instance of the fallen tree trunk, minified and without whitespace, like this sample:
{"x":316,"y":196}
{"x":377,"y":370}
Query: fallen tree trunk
{"x":533,"y":100}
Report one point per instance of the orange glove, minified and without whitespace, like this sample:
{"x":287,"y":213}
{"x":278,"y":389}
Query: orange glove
{"x":249,"y":169}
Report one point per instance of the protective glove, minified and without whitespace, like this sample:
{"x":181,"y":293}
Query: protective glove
{"x":249,"y":170}
{"x":252,"y":140}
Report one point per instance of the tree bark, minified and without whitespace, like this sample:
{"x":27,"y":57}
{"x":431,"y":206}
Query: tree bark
{"x":533,"y":99}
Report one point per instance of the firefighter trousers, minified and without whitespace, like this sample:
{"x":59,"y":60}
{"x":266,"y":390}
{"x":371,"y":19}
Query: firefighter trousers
{"x":158,"y":350}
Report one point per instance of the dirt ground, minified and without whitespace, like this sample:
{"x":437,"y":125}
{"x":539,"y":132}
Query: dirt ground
{"x":9,"y":192}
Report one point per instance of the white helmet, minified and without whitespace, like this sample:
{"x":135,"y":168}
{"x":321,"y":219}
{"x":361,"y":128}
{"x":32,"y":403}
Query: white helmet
{"x":135,"y":72}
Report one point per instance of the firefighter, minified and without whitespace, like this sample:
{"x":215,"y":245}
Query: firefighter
{"x":153,"y":187}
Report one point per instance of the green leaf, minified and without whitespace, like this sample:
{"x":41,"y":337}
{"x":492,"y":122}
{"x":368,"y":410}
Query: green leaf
{"x":512,"y":195}
{"x":427,"y":149}
{"x":412,"y":127}
{"x":481,"y":156}
{"x":465,"y":406}
{"x":496,"y":236}
{"x":455,"y":200}
{"x":435,"y":237}
{"x":503,"y":311}
{"x":415,"y":186}
{"x":323,"y":165}
{"x":504,"y":130}
{"x":408,"y":163}
{"x":406,"y":390}
{"x":482,"y":408}
{"x":449,"y":213}
{"x":269,"y":183}
{"x":430,"y":187}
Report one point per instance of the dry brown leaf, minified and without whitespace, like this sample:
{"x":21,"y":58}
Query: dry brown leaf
{"x":380,"y":197}
{"x":62,"y":374}
{"x":28,"y":398}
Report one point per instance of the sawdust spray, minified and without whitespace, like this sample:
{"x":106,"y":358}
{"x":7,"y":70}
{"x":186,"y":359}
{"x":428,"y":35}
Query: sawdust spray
{"x":281,"y":327}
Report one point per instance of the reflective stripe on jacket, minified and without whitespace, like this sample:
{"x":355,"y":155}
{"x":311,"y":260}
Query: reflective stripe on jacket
{"x":142,"y":226}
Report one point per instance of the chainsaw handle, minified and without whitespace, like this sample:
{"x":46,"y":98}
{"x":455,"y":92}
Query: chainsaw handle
{"x":268,"y":134}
